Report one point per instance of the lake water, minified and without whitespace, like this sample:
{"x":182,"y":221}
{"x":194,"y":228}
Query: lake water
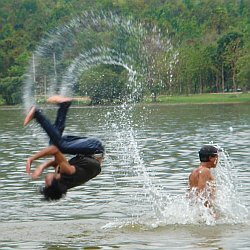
{"x":138,"y":201}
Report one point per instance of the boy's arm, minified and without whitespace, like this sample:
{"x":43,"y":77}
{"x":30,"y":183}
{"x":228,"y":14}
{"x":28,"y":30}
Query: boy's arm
{"x":65,"y":167}
{"x":61,"y":160}
{"x":51,"y":150}
{"x":38,"y":171}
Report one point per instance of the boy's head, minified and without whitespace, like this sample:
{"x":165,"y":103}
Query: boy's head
{"x":206,"y":152}
{"x":55,"y":191}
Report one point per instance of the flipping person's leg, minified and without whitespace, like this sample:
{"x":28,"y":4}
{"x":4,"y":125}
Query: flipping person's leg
{"x":61,"y":116}
{"x":81,"y":145}
{"x":64,"y":104}
{"x":52,"y":132}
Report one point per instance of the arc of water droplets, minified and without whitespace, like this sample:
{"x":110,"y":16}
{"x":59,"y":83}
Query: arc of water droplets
{"x":56,"y":60}
{"x":96,"y":56}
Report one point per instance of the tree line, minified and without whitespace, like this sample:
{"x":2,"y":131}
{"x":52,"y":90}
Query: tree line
{"x":210,"y":39}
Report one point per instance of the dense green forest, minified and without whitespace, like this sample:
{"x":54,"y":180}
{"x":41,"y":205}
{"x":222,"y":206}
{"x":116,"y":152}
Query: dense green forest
{"x":210,"y":45}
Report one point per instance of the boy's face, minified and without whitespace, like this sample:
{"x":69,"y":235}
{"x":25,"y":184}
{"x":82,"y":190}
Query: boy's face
{"x":49,"y":178}
{"x":214,"y":160}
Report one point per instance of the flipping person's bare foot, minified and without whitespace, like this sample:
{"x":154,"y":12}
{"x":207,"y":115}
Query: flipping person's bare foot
{"x":58,"y":99}
{"x":29,"y":116}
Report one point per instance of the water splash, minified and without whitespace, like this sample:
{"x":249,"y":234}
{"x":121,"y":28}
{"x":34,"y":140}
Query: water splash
{"x":128,"y":155}
{"x":229,"y":201}
{"x":156,"y":207}
{"x":69,"y":50}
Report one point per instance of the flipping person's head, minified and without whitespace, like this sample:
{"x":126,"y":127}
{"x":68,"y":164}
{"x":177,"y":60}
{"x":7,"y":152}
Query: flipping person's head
{"x":55,"y":190}
{"x":207,"y":152}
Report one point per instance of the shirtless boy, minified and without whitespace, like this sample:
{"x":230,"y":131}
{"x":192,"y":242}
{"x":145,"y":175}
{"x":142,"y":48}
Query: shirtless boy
{"x":201,"y":180}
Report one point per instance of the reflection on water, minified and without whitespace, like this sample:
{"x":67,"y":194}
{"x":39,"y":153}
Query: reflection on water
{"x":150,"y":153}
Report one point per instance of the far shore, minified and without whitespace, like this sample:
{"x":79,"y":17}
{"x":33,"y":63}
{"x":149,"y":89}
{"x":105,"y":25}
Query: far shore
{"x":213,"y":98}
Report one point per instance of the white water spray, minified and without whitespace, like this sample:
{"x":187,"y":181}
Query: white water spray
{"x":62,"y":57}
{"x":158,"y":207}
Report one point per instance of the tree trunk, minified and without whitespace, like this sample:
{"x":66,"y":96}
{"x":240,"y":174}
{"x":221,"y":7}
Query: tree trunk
{"x":222,"y":78}
{"x":234,"y":74}
{"x":201,"y":85}
{"x":153,"y":96}
{"x":217,"y":83}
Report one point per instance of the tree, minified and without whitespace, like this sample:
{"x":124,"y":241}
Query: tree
{"x":230,"y":50}
{"x":11,"y":90}
{"x":194,"y":28}
{"x":104,"y":84}
{"x":243,"y":69}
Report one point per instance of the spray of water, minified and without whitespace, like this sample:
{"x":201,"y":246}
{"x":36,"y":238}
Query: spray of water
{"x":69,"y":50}
{"x":161,"y":208}
{"x":229,"y":200}
{"x":119,"y":123}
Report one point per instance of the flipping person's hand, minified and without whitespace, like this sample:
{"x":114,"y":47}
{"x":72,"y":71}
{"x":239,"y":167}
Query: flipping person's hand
{"x":37,"y":172}
{"x":28,"y":165}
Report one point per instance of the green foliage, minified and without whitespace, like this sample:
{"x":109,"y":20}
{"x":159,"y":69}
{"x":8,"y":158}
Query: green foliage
{"x":104,"y":84}
{"x":211,"y":40}
{"x":11,"y":90}
{"x":243,"y":69}
{"x":229,"y":51}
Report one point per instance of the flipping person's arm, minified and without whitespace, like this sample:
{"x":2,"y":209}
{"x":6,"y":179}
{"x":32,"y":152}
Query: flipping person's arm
{"x":38,"y":171}
{"x":65,"y":167}
{"x":51,"y":150}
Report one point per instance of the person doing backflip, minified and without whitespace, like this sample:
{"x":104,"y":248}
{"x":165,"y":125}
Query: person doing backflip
{"x":88,"y":151}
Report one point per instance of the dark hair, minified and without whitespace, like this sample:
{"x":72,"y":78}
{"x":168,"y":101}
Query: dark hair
{"x":55,"y":191}
{"x":207,"y":151}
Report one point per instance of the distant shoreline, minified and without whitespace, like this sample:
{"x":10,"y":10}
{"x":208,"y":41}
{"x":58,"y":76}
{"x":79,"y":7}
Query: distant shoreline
{"x":213,"y":98}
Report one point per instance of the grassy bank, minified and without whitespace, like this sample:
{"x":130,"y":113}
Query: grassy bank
{"x":164,"y":99}
{"x":202,"y":98}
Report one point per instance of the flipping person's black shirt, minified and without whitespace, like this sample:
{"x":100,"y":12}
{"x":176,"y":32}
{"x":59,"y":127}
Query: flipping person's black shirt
{"x":86,"y":169}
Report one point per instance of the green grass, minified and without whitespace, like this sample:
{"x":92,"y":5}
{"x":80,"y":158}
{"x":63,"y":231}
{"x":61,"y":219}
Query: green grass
{"x":178,"y":99}
{"x":202,"y":98}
